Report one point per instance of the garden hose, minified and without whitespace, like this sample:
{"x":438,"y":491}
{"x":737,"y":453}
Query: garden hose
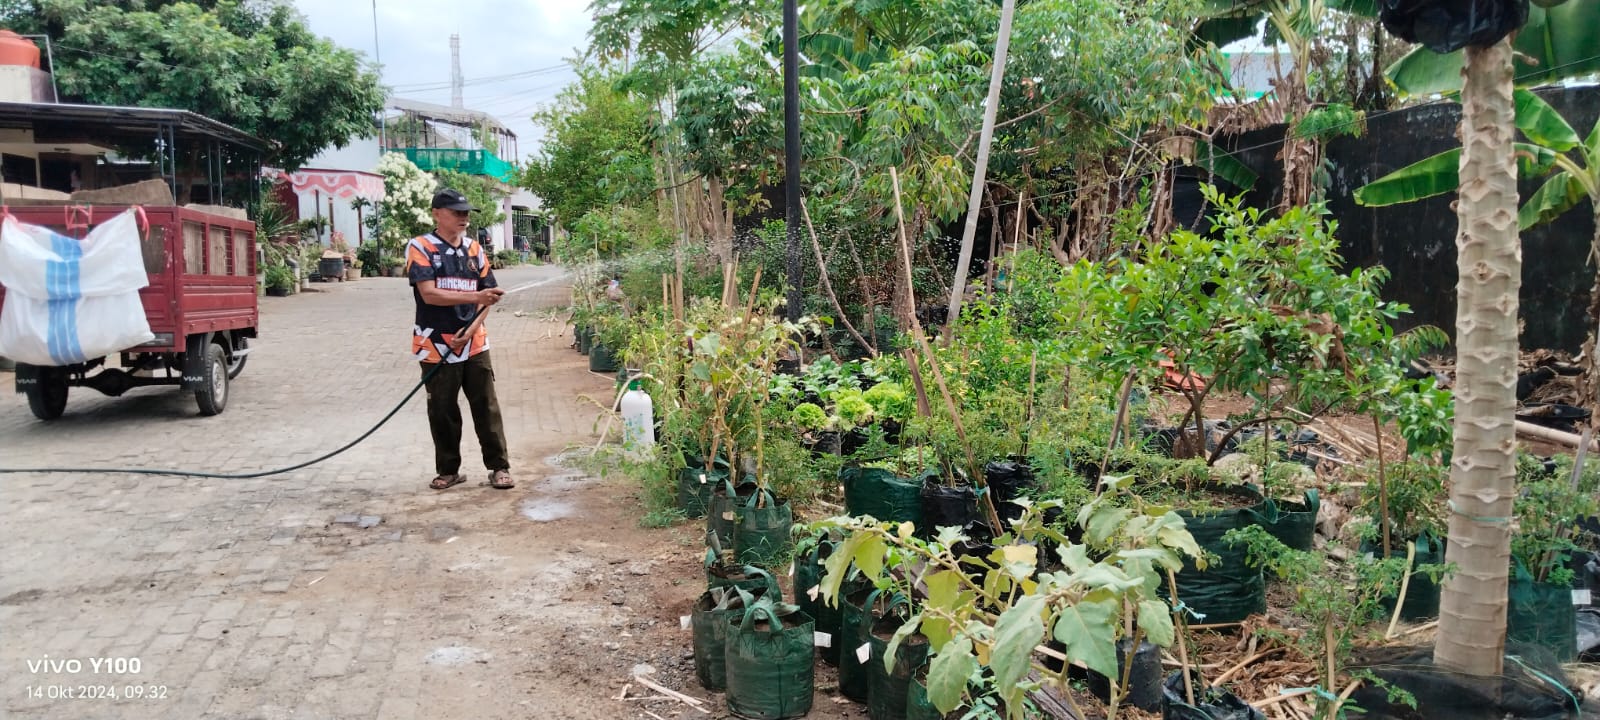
{"x":261,"y":473}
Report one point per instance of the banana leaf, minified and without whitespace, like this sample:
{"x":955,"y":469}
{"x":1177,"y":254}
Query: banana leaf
{"x":1561,"y":40}
{"x":1441,"y":174}
{"x":1542,"y":124}
{"x":1558,"y":195}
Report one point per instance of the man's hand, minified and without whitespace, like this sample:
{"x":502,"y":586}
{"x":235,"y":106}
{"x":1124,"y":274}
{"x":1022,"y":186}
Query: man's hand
{"x":488,"y":296}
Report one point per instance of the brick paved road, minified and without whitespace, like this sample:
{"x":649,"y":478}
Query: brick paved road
{"x":268,"y":598}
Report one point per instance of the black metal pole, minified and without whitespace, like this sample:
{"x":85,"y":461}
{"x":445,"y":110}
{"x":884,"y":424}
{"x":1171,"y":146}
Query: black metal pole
{"x":791,"y":151}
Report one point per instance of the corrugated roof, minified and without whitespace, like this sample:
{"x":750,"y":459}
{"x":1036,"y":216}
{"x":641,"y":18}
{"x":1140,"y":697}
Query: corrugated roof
{"x":446,"y":114}
{"x":112,"y":120}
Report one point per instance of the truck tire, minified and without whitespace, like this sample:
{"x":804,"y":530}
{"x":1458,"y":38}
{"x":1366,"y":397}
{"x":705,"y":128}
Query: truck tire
{"x":48,"y":397}
{"x":237,"y":365}
{"x":212,"y":395}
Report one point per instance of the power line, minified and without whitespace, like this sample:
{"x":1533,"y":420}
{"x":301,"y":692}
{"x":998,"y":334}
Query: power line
{"x":488,"y":79}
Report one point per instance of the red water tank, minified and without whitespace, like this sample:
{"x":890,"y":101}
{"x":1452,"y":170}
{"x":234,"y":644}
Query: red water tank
{"x":18,"y":50}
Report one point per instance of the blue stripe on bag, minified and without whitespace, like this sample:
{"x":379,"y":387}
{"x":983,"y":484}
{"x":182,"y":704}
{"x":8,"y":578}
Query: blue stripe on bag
{"x":62,"y":292}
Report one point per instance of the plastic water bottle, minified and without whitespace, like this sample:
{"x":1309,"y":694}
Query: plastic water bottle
{"x":638,"y":420}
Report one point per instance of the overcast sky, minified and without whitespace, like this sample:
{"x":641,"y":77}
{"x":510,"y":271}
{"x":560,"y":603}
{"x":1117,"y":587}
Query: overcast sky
{"x":498,"y":38}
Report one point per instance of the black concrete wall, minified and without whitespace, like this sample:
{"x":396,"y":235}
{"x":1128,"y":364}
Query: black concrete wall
{"x":1416,"y":241}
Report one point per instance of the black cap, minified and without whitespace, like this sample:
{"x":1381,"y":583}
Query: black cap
{"x":450,"y":199}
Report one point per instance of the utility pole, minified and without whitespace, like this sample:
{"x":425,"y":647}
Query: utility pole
{"x":791,"y":152}
{"x":974,"y":201}
{"x":455,"y":72}
{"x":383,"y":113}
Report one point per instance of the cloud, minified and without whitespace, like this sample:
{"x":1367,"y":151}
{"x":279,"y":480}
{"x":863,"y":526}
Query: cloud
{"x":498,"y":38}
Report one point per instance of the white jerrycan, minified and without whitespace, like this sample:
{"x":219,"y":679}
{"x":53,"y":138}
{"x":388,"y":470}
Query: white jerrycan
{"x":638,"y":420}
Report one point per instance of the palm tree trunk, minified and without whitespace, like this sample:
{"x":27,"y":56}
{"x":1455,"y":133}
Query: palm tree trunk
{"x":1472,"y":612}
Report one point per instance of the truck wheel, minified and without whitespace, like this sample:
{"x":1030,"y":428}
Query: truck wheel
{"x":213,"y":394}
{"x":237,"y":366}
{"x":48,"y":397}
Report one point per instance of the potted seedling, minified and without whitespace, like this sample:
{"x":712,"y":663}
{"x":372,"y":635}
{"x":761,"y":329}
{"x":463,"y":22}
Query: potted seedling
{"x":1549,"y":502}
{"x":1406,"y":514}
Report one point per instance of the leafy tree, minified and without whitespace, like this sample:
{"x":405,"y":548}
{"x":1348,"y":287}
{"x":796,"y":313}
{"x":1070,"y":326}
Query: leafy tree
{"x":483,"y":192}
{"x":729,"y":120}
{"x":596,"y":151}
{"x":252,"y":64}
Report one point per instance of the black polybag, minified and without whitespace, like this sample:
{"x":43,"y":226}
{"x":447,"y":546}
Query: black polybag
{"x":1445,"y":26}
{"x":1211,"y":703}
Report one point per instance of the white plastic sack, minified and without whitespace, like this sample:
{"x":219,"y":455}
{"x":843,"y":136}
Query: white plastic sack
{"x":68,"y":300}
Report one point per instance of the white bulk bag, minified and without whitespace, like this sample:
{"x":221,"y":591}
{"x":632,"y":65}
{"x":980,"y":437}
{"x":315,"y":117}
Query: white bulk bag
{"x":68,"y":300}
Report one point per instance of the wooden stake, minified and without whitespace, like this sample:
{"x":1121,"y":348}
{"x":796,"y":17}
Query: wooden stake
{"x":1220,"y":679}
{"x":827,"y":284}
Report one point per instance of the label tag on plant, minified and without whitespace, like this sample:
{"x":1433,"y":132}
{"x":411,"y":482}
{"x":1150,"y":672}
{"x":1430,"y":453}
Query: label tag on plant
{"x":790,"y":571}
{"x":683,"y":622}
{"x":864,"y":653}
{"x":728,"y":515}
{"x":702,"y":478}
{"x":1582,"y":596}
{"x":822,"y":639}
{"x":812,"y":593}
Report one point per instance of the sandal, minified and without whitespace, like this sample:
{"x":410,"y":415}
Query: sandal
{"x":501,"y":480}
{"x":447,"y":481}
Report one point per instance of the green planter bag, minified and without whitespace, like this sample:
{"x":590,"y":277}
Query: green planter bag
{"x":1293,"y":523}
{"x":1422,"y":593}
{"x":855,"y":625}
{"x":918,"y":706}
{"x":585,"y":337}
{"x":889,"y":681}
{"x":808,"y":572}
{"x":1228,"y":589}
{"x":881,"y":494}
{"x":1541,"y":614}
{"x":762,"y":535}
{"x":744,"y":577}
{"x":722,"y":512}
{"x":696,"y":482}
{"x":709,"y":621}
{"x":601,"y":360}
{"x":769,"y":662}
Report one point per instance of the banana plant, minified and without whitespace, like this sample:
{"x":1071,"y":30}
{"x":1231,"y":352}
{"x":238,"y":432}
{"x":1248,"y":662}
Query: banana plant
{"x":1550,"y":141}
{"x":1559,"y":41}
{"x":1554,"y":147}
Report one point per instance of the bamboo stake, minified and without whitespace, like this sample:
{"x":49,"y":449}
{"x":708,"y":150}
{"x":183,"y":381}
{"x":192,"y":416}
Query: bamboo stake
{"x":690,"y":701}
{"x":923,"y":408}
{"x":1033,"y":377}
{"x":1183,"y":644}
{"x":933,"y":362}
{"x":1002,"y":44}
{"x":1297,"y":692}
{"x":1383,"y":491}
{"x":1556,"y":436}
{"x":1405,"y":584}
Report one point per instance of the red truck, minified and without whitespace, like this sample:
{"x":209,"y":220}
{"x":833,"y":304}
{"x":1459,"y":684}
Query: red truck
{"x":201,"y":305}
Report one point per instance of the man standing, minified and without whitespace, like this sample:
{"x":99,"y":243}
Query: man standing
{"x":453,"y":287}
